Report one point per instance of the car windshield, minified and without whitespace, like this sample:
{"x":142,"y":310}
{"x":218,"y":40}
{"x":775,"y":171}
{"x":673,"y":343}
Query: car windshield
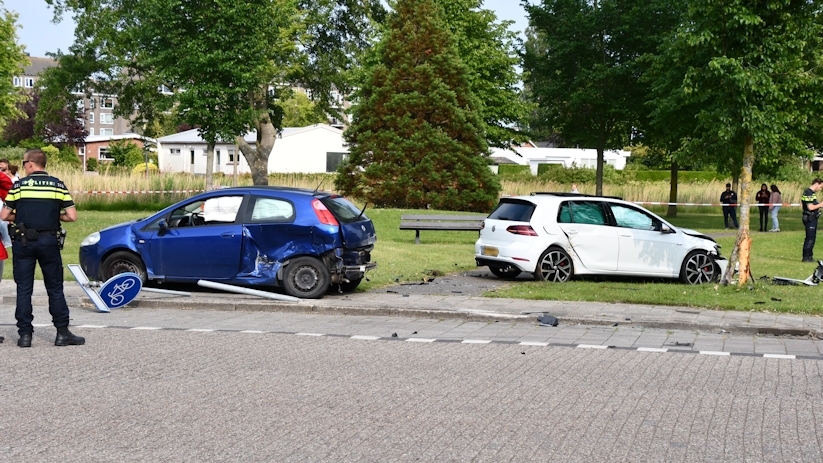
{"x":516,"y":211}
{"x":345,"y":211}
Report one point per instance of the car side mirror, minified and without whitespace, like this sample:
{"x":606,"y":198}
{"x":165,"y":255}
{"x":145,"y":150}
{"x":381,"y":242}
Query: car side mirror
{"x":163,"y":225}
{"x":665,"y":229}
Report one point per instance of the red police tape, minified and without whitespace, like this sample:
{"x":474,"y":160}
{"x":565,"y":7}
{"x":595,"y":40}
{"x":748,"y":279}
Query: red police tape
{"x":125,"y":192}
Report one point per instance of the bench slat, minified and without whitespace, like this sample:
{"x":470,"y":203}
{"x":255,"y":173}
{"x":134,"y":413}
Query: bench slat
{"x":457,"y":226}
{"x":442,"y":218}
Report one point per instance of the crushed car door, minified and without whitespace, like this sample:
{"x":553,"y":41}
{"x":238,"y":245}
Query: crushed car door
{"x":594,"y":242}
{"x":644,"y":246}
{"x":203,"y":241}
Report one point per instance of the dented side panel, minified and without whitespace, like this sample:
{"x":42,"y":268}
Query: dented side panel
{"x":266,"y":247}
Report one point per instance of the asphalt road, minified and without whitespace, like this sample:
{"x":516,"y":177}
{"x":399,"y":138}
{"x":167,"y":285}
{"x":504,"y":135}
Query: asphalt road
{"x":171,"y":385}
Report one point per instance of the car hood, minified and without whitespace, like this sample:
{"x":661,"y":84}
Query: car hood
{"x":119,"y":226}
{"x":697,"y":234}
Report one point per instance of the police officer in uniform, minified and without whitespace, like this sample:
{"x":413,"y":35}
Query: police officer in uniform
{"x":811,"y":212}
{"x":37,"y":204}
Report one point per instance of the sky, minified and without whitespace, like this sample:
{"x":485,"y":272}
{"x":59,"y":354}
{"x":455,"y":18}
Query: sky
{"x":40,"y":35}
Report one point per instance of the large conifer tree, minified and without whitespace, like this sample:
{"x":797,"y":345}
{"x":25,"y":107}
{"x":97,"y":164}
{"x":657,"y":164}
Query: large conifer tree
{"x":417,"y":138}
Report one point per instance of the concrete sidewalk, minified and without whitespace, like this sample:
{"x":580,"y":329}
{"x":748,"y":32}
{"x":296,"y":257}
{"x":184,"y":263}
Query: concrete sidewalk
{"x":380,"y":303}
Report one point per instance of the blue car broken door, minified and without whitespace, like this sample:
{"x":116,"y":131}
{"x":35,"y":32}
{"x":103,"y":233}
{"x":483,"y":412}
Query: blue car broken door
{"x":206,"y":246}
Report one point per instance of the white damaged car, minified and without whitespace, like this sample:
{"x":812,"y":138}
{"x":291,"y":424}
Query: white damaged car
{"x":556,"y":236}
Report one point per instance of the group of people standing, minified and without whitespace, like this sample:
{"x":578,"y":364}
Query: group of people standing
{"x":769,"y":202}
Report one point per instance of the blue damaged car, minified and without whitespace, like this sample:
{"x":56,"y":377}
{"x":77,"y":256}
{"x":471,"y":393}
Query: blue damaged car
{"x":305,"y":242}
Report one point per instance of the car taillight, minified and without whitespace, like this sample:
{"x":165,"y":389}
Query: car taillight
{"x":526,"y":230}
{"x":323,"y":214}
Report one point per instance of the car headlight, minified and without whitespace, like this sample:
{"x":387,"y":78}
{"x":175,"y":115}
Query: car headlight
{"x":90,"y":240}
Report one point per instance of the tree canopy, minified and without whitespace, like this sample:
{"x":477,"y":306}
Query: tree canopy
{"x":12,"y":60}
{"x":582,"y":66}
{"x":417,"y":136}
{"x":224,"y":62}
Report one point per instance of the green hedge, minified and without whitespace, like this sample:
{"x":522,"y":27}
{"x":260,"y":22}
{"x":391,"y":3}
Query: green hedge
{"x":665,"y":176}
{"x":512,"y":169}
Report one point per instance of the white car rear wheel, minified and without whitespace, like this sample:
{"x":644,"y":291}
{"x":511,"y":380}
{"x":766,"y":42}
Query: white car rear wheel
{"x":554,"y":265}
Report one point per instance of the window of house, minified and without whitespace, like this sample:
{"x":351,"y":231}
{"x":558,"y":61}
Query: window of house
{"x":91,"y":131}
{"x":103,"y":154}
{"x":231,"y":156}
{"x":106,"y":118}
{"x":174,"y":151}
{"x":108,"y":132}
{"x":17,"y":81}
{"x":91,"y":118}
{"x":106,"y":102}
{"x":28,"y":82}
{"x":81,"y":151}
{"x":81,"y":105}
{"x":217,"y":153}
{"x":191,"y":160}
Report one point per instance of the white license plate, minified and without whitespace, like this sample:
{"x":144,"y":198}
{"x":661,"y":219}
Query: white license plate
{"x":489,"y":251}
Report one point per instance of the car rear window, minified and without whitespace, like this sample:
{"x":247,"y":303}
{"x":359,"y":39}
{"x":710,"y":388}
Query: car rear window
{"x":345,"y":211}
{"x":514,"y":210}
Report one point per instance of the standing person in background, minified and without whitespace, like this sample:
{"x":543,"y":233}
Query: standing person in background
{"x":5,"y":241}
{"x":811,"y":212}
{"x":574,"y":188}
{"x":762,"y":197}
{"x":727,"y":198}
{"x":775,"y":202}
{"x":37,"y":205}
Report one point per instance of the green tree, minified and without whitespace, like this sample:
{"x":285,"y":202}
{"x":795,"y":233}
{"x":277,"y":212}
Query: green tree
{"x":12,"y":60}
{"x":747,"y":78}
{"x":489,"y":50}
{"x":226,"y":62}
{"x":583,"y":68}
{"x":125,"y":153}
{"x":417,"y":137}
{"x":300,"y":111}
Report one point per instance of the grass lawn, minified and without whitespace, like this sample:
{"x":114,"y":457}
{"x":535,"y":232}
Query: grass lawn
{"x":399,"y":259}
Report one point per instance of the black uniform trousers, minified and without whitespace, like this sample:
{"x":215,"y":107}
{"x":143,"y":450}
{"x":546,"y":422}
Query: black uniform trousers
{"x":46,"y":252}
{"x":810,"y":222}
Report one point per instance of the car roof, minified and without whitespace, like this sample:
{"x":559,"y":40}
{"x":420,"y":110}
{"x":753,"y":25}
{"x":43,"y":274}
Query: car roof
{"x":272,"y":188}
{"x":557,"y":197}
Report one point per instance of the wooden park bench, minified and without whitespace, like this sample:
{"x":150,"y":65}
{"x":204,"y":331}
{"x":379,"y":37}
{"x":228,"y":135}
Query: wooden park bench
{"x":440,"y":222}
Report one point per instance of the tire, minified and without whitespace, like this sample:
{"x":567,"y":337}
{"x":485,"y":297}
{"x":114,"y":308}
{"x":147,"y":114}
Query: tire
{"x":554,"y":265}
{"x":306,"y":278}
{"x":505,"y":273}
{"x":122,"y":262}
{"x":698,"y":268}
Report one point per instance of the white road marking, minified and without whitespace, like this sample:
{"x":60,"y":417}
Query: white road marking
{"x":200,"y":330}
{"x":652,"y":349}
{"x":714,"y":352}
{"x":308,"y":334}
{"x":146,"y":328}
{"x":420,"y":340}
{"x":530,"y":343}
{"x":475,"y":341}
{"x":365,"y":338}
{"x":779,"y":356}
{"x":253,"y":331}
{"x":91,"y":326}
{"x":591,"y":346}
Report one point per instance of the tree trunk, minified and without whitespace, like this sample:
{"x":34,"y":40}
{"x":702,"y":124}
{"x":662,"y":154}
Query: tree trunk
{"x":599,"y":178}
{"x":672,"y":212}
{"x":258,"y":157}
{"x":742,"y":247}
{"x":210,"y":166}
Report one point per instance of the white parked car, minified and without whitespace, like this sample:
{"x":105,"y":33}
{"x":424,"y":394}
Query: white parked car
{"x":556,"y":236}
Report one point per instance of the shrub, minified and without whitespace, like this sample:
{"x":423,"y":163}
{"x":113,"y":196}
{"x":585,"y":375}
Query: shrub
{"x":142,"y":167}
{"x":513,"y":171}
{"x":91,"y":164}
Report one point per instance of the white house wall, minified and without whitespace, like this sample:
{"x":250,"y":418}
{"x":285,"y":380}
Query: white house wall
{"x":305,"y":151}
{"x":298,"y":150}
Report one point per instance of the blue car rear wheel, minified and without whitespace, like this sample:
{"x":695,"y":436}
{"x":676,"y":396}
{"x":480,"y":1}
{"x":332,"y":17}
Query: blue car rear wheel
{"x":307,"y":278}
